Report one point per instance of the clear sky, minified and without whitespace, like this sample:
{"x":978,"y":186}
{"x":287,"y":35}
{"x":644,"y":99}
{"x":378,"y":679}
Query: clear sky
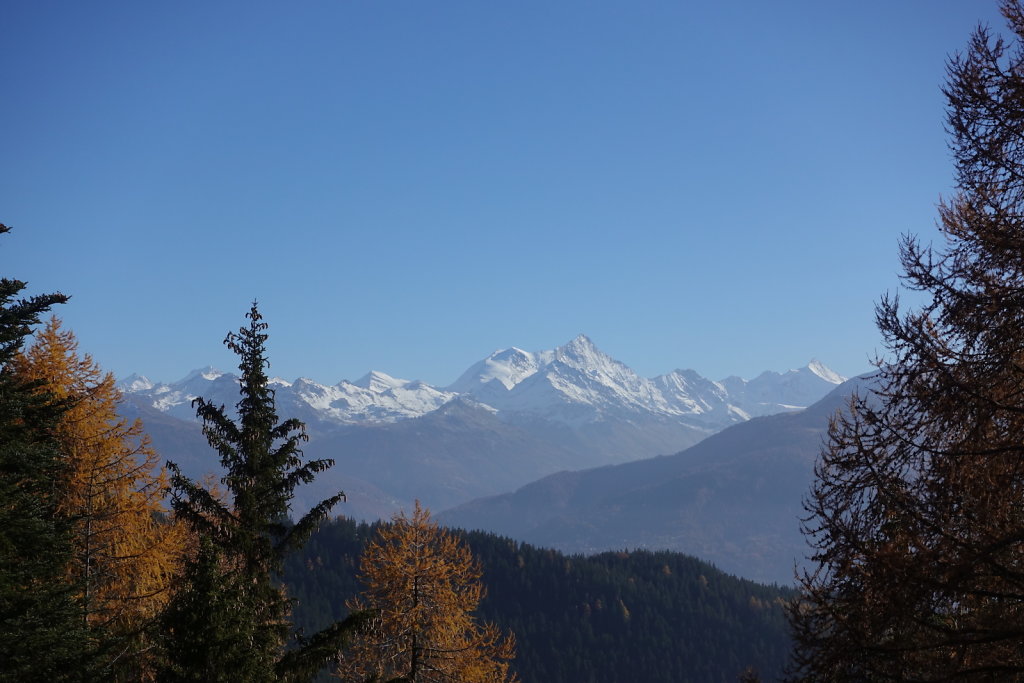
{"x":407,"y":186}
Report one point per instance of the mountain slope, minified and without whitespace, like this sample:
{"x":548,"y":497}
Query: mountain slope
{"x":733,"y":499}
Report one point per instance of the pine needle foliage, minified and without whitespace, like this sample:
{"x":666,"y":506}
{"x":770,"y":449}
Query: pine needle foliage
{"x":422,"y":587}
{"x":230,"y":594}
{"x":916,"y":517}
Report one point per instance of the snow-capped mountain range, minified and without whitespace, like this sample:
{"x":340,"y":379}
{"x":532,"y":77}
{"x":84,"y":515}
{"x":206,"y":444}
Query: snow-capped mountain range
{"x":573,"y":384}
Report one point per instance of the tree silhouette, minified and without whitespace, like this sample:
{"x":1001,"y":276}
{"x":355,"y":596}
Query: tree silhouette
{"x":916,"y":517}
{"x":229,"y":620}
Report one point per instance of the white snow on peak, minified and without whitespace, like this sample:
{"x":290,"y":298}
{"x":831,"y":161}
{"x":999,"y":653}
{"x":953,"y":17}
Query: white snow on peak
{"x":508,"y":367}
{"x":687,"y":391}
{"x":573,"y":383}
{"x":377,"y":397}
{"x":825,"y":372}
{"x":772,"y":392}
{"x":207,"y":373}
{"x":580,"y":345}
{"x":379,"y":381}
{"x":134,"y":383}
{"x":579,"y":381}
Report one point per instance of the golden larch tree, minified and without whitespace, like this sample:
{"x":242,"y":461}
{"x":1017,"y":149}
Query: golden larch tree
{"x":422,"y":586}
{"x":125,"y":550}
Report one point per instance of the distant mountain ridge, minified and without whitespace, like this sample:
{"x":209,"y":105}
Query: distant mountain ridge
{"x":510,"y":419}
{"x":574,"y":384}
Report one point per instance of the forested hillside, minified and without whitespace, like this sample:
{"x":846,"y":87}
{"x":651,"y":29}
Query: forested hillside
{"x":640,"y":616}
{"x":105,"y":583}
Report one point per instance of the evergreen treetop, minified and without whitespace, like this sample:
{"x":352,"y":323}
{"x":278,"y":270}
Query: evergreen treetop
{"x":245,"y":534}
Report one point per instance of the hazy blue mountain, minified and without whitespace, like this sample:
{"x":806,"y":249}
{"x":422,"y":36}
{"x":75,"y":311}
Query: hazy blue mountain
{"x":510,"y":419}
{"x":733,"y":499}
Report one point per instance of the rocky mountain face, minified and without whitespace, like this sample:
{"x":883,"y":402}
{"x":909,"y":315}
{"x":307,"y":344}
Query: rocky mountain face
{"x":510,"y":419}
{"x":733,"y":499}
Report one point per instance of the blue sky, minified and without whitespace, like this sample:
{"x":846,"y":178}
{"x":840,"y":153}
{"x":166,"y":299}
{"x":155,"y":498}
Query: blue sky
{"x":408,"y":186}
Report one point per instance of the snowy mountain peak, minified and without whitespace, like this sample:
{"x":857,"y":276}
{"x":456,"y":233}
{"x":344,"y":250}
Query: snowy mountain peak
{"x":575,"y":383}
{"x":825,"y":372}
{"x":134,"y":383}
{"x":580,"y":347}
{"x":507,"y":367}
{"x":207,"y":373}
{"x":379,"y":381}
{"x":582,"y":353}
{"x":581,"y":343}
{"x":687,"y":375}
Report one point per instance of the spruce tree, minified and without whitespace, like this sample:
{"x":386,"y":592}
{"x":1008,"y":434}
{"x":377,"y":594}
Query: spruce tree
{"x":230,"y":594}
{"x":209,"y":624}
{"x":41,"y":635}
{"x":916,"y":517}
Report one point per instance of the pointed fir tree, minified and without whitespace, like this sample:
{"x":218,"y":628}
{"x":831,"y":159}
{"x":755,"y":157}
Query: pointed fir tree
{"x":230,"y":594}
{"x":112,"y":491}
{"x":41,"y":638}
{"x":916,"y":515}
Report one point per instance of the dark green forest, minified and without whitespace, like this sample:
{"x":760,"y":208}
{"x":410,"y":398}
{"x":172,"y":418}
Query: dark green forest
{"x":625,"y":616}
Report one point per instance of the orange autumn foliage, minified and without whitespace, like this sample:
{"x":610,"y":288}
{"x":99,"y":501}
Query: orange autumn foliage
{"x":422,"y":586}
{"x":125,"y":552}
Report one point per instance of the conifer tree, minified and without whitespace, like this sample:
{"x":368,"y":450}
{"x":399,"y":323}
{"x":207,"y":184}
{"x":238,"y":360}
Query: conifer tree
{"x":208,"y":623}
{"x":230,"y":595}
{"x":422,"y":586}
{"x":916,"y":516}
{"x":40,"y":630}
{"x":124,"y":555}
